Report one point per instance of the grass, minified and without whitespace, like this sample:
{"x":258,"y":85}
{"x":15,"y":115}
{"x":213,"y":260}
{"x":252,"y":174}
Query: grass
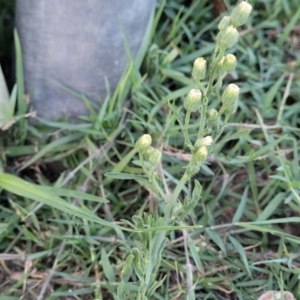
{"x":60,"y":239}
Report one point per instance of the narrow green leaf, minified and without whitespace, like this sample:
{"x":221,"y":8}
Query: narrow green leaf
{"x":196,"y":195}
{"x":270,"y":208}
{"x":107,"y":268}
{"x":74,"y":194}
{"x":22,"y":107}
{"x":286,"y":236}
{"x":275,"y":221}
{"x":289,"y":28}
{"x":234,"y":136}
{"x":270,"y":95}
{"x":176,"y":112}
{"x":3,"y":227}
{"x":125,"y":176}
{"x":52,"y":146}
{"x":236,"y":244}
{"x":4,"y":99}
{"x":143,"y":180}
{"x":37,"y":193}
{"x":216,"y":239}
{"x":120,"y":166}
{"x":239,"y":212}
{"x":195,"y":254}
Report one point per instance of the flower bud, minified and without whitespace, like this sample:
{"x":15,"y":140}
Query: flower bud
{"x":192,"y":102}
{"x":224,"y":23}
{"x":201,"y":155}
{"x":229,"y":63}
{"x":230,"y":95}
{"x":228,"y":37}
{"x":148,"y":152}
{"x":143,"y":143}
{"x":206,"y":141}
{"x":240,"y":14}
{"x":212,"y":114}
{"x":154,"y":157}
{"x":199,"y":69}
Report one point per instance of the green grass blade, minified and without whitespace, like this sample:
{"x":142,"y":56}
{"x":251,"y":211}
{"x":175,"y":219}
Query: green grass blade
{"x":37,"y":193}
{"x":74,"y":194}
{"x":51,"y":147}
{"x":22,"y":107}
{"x":239,"y":212}
{"x":4,"y":98}
{"x":271,"y":207}
{"x":270,"y":95}
{"x":239,"y":248}
{"x":289,"y":28}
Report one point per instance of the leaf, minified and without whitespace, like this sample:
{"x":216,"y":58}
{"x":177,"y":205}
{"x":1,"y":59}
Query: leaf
{"x":197,"y":191}
{"x":125,"y":176}
{"x":236,"y":244}
{"x":120,"y":166}
{"x":22,"y":106}
{"x":107,"y":268}
{"x":75,"y":194}
{"x":3,"y":227}
{"x":288,"y":28}
{"x":195,"y":254}
{"x":37,"y":193}
{"x":176,"y":112}
{"x":270,"y":95}
{"x":51,"y":147}
{"x":4,"y":98}
{"x":234,"y":136}
{"x":239,"y":212}
{"x":216,"y":239}
{"x":270,"y":208}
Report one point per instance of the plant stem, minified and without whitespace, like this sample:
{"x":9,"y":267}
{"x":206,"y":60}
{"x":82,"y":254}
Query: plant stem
{"x":143,"y":164}
{"x":155,"y":246}
{"x":185,"y":130}
{"x":202,"y":120}
{"x":208,"y":92}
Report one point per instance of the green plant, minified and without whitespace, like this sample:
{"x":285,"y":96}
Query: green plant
{"x":8,"y":104}
{"x":145,"y":258}
{"x":249,"y":206}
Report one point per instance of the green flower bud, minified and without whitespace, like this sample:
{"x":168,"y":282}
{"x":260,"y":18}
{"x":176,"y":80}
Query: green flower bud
{"x":224,"y":23}
{"x":228,"y":37}
{"x":201,"y":155}
{"x":143,"y":143}
{"x":193,"y":102}
{"x":240,"y":14}
{"x":230,"y":95}
{"x":212,"y":114}
{"x":229,"y":63}
{"x":206,"y":141}
{"x":148,"y":153}
{"x":199,"y":69}
{"x":154,"y":157}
